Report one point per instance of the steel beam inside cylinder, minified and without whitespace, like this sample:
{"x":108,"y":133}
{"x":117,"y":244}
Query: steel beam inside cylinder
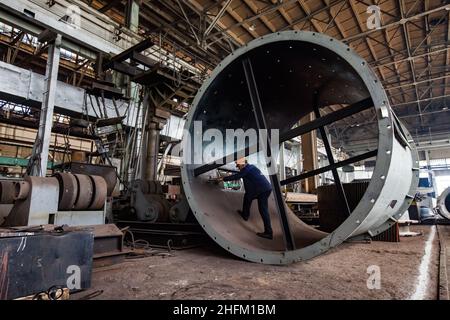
{"x":39,"y":156}
{"x":332,"y":167}
{"x":291,"y":68}
{"x":330,"y":156}
{"x":261,"y":124}
{"x":282,"y":172}
{"x":298,"y":131}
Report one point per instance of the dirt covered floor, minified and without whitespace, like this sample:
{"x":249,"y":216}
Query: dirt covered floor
{"x":407,"y":270}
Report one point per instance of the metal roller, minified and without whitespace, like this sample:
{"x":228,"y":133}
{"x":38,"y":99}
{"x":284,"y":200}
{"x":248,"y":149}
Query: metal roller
{"x":291,"y":75}
{"x":179,"y":212}
{"x":443,"y":204}
{"x":148,"y":202}
{"x":68,"y":190}
{"x":162,"y":207}
{"x":21,"y":190}
{"x":100,"y":191}
{"x":85,"y":192}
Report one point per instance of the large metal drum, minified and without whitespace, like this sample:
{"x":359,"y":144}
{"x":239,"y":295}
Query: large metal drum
{"x":293,"y":72}
{"x":443,"y":204}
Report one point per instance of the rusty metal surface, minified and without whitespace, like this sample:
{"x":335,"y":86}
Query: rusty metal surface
{"x":331,"y":211}
{"x":85,"y":192}
{"x":7,"y":192}
{"x":180,"y":211}
{"x":68,"y":190}
{"x":21,"y":190}
{"x":100,"y":192}
{"x":37,"y":207}
{"x":27,"y":269}
{"x":147,"y":201}
{"x":390,"y":235}
{"x":108,"y":245}
{"x":107,"y":172}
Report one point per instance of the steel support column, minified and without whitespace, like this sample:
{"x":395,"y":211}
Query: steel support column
{"x":309,"y":151}
{"x":41,"y":146}
{"x":282,"y":164}
{"x":152,"y":151}
{"x":154,"y":122}
{"x":133,"y":8}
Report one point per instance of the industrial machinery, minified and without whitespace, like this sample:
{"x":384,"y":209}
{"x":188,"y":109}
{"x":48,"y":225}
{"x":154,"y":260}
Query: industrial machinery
{"x":64,"y":199}
{"x":143,"y":201}
{"x":272,"y":83}
{"x":443,"y":204}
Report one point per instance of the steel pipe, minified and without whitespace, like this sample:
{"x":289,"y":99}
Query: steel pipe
{"x":295,"y":72}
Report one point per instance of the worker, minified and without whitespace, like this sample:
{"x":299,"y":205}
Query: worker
{"x":256,"y":187}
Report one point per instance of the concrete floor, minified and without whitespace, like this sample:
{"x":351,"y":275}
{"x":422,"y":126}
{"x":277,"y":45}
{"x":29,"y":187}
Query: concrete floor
{"x":408,"y":269}
{"x":444,"y":274}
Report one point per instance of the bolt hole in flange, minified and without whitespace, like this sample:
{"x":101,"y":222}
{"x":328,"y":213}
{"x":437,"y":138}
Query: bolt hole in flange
{"x":343,"y":107}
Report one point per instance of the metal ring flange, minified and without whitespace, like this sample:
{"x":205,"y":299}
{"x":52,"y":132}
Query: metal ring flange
{"x":393,"y":172}
{"x":21,"y":190}
{"x":100,"y":191}
{"x":85,"y":192}
{"x":443,"y":204}
{"x":68,"y":190}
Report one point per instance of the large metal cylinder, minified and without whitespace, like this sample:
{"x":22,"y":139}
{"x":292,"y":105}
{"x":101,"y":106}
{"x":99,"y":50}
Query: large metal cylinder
{"x":293,"y":70}
{"x":443,"y":204}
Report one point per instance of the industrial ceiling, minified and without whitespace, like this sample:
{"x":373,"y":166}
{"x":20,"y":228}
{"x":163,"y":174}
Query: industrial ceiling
{"x":409,"y":52}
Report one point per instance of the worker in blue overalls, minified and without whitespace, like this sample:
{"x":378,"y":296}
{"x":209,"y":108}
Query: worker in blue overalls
{"x":256,"y":187}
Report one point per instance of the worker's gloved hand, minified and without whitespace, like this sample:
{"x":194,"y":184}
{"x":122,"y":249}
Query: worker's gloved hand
{"x":215,"y":180}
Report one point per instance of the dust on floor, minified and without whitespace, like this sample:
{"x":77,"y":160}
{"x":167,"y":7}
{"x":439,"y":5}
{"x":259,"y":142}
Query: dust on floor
{"x":212,"y":273}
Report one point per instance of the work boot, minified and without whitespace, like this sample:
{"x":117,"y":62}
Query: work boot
{"x":242,"y":215}
{"x":265,"y":235}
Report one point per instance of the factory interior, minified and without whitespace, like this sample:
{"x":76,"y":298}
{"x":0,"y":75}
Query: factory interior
{"x":224,"y":150}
